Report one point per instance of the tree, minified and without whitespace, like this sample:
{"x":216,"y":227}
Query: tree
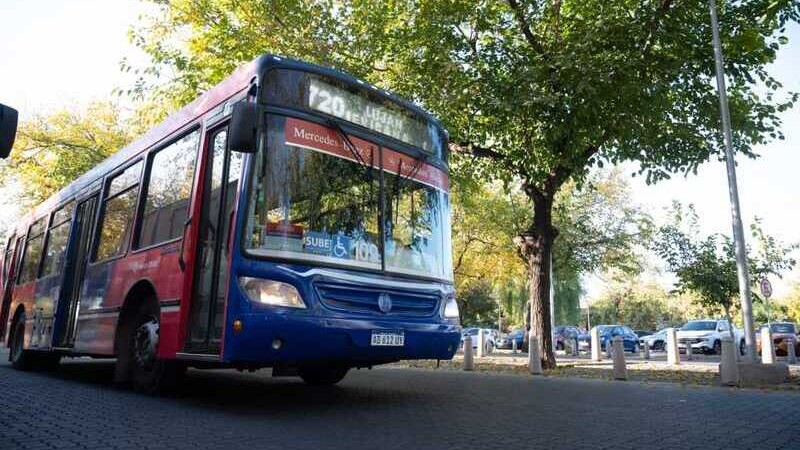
{"x":534,"y":93}
{"x":53,"y":150}
{"x":707,"y":265}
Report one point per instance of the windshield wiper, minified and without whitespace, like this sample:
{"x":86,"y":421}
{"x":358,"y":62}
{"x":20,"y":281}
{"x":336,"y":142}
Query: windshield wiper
{"x":348,"y":144}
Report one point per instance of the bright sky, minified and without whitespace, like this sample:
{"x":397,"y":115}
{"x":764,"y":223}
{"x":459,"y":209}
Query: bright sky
{"x":56,"y":53}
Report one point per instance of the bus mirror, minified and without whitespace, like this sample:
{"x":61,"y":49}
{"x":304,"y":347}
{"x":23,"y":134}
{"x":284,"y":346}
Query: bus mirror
{"x":243,"y":129}
{"x":8,"y":129}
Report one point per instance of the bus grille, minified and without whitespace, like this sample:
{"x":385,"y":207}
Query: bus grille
{"x":359,"y":299}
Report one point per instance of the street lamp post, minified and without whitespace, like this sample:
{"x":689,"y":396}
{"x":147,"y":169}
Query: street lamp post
{"x":733,"y":190}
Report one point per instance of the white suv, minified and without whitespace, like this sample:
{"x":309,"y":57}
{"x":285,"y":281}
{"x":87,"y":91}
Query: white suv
{"x":705,"y":335}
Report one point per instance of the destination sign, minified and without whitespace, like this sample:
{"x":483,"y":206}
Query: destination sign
{"x":360,"y":110}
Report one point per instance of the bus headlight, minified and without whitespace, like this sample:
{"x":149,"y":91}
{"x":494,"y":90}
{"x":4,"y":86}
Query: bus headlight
{"x":451,"y":308}
{"x":270,"y":292}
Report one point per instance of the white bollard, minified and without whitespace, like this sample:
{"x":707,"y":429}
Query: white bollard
{"x":689,"y":351}
{"x":468,"y":363}
{"x":620,"y":370}
{"x":645,"y":350}
{"x":673,"y":357}
{"x":481,"y":344}
{"x":534,"y":361}
{"x":595,"y":343}
{"x":514,"y":345}
{"x":767,"y":346}
{"x":791,"y":356}
{"x":728,"y":367}
{"x":609,"y":349}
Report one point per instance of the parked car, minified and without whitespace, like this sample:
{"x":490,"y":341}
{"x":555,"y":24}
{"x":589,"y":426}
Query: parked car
{"x":643,"y":333}
{"x":656,"y":341}
{"x":488,"y":338}
{"x":781,"y":333}
{"x":705,"y":335}
{"x":564,"y":334}
{"x":506,"y":341}
{"x":630,"y":341}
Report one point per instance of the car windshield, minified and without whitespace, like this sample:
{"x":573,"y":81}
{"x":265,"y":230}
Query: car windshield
{"x":605,"y":328}
{"x":786,"y":328}
{"x":700,"y":325}
{"x":312,"y":200}
{"x":471,"y":331}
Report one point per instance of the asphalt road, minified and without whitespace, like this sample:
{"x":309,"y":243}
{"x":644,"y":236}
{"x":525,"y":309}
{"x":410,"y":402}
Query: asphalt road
{"x":389,"y":408}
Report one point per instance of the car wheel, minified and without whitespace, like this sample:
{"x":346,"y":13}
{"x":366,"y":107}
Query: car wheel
{"x":717,"y":350}
{"x":659,"y":345}
{"x":742,"y":348}
{"x":323,"y":375}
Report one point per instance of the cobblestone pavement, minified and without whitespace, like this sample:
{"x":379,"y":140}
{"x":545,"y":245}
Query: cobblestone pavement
{"x":78,"y":407}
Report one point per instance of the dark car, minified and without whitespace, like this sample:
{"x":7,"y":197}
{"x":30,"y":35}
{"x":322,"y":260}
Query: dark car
{"x":630,"y":341}
{"x":518,"y":336}
{"x":564,"y":334}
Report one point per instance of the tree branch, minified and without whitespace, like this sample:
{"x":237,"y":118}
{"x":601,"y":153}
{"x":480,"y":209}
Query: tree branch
{"x":525,"y":27}
{"x":477,"y":151}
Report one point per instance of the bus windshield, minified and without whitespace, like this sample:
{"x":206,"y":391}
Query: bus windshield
{"x":312,"y":200}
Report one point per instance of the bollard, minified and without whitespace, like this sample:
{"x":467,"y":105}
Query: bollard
{"x":645,"y":350}
{"x":514,"y":346}
{"x":767,"y":346}
{"x":673,"y":357}
{"x":728,"y":367}
{"x":609,"y":349}
{"x":575,"y":346}
{"x":689,"y":352}
{"x":468,"y":365}
{"x":534,"y":361}
{"x":595,"y":344}
{"x":481,"y":344}
{"x":620,"y":370}
{"x":791,"y":356}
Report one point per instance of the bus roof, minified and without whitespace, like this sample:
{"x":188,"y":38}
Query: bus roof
{"x":234,"y":84}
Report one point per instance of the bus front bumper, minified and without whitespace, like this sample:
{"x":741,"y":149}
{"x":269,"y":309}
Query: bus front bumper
{"x":266,"y":339}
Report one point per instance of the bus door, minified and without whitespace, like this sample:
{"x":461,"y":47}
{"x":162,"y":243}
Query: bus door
{"x":9,"y":274}
{"x":77,"y":256}
{"x":220,"y":187}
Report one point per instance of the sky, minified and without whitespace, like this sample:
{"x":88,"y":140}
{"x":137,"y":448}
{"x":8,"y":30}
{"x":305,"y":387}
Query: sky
{"x":66,"y":53}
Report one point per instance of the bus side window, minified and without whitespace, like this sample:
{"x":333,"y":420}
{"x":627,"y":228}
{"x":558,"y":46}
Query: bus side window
{"x":29,"y":267}
{"x":167,"y":191}
{"x":57,"y":237}
{"x":119,"y":208}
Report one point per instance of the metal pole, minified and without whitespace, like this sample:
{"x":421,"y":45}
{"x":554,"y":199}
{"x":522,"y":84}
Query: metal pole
{"x":733,"y":189}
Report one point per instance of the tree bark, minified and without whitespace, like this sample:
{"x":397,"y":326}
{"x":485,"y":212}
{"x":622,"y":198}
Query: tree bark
{"x":535,"y":247}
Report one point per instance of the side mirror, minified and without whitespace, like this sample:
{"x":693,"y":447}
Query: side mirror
{"x":8,"y":129}
{"x":243,"y":129}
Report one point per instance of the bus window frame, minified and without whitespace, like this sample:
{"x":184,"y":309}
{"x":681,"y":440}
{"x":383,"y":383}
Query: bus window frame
{"x":50,"y":226}
{"x":104,"y":197}
{"x":18,"y":279}
{"x":145,"y":187}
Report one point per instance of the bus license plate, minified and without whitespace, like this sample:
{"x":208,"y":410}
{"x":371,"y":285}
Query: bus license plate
{"x":388,"y":338}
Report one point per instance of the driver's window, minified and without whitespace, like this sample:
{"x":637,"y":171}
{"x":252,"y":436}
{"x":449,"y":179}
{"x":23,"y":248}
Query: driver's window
{"x":723,"y":326}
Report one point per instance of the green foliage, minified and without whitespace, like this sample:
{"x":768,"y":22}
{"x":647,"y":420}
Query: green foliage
{"x":707,"y":265}
{"x":639,"y":306}
{"x":52,"y":150}
{"x":477,"y":304}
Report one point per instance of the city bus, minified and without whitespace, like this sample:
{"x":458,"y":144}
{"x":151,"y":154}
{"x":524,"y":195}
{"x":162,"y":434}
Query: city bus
{"x":292,"y":217}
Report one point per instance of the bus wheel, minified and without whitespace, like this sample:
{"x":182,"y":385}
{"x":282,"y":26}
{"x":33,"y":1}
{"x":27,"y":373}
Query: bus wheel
{"x":323,"y":375}
{"x":150,"y":374}
{"x":20,"y":358}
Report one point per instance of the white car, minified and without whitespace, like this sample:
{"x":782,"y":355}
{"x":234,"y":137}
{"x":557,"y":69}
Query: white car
{"x":489,"y":337}
{"x":705,"y":336}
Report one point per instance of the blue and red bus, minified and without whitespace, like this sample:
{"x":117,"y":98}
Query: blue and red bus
{"x":292,"y":217}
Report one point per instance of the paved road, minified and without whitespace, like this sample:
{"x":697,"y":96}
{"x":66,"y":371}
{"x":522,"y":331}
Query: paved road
{"x":77,"y":407}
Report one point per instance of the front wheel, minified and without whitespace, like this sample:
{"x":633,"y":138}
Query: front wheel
{"x":20,"y":358}
{"x":717,"y":350}
{"x":323,"y":375}
{"x":150,"y":374}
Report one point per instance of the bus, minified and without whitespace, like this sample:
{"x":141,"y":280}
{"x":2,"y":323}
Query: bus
{"x":292,"y":217}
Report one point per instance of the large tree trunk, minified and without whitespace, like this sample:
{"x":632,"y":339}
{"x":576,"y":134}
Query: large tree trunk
{"x":536,"y":247}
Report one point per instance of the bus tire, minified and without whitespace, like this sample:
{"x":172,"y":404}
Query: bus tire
{"x":326,"y":375}
{"x":149,"y":373}
{"x":20,"y":358}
